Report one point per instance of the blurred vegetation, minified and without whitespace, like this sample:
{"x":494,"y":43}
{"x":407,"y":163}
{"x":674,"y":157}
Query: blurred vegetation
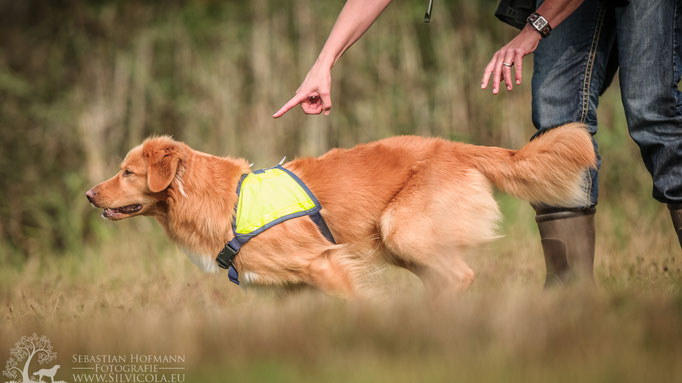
{"x":82,"y":82}
{"x":139,"y":295}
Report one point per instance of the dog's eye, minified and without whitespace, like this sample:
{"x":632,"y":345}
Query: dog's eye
{"x":127,"y":173}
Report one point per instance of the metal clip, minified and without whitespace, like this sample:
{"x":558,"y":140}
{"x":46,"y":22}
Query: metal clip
{"x":427,"y":15}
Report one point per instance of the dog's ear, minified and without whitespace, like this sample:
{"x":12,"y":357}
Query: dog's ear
{"x":163,"y":156}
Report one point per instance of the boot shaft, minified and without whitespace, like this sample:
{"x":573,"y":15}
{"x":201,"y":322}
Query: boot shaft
{"x":568,"y":241}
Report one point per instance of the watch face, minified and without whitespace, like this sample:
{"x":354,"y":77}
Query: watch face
{"x":540,"y":23}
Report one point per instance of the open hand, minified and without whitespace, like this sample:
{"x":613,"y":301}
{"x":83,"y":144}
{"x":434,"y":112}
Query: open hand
{"x":510,"y":55}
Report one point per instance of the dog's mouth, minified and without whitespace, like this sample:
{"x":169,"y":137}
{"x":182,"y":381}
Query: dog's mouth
{"x":121,"y":212}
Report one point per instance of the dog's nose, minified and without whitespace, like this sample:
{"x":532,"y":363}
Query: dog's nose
{"x":90,"y":195}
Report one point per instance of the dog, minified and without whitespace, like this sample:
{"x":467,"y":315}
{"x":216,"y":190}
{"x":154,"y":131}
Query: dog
{"x":47,"y":372}
{"x":413,"y":202}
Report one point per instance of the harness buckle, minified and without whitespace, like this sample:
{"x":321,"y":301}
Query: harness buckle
{"x":227,"y":255}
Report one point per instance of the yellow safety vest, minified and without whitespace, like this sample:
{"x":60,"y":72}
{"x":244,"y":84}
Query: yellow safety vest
{"x":266,"y":198}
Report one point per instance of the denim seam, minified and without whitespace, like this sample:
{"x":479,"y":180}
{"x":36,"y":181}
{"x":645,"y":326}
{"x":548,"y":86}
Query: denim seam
{"x":674,"y":61}
{"x":590,"y":63}
{"x":587,"y":81}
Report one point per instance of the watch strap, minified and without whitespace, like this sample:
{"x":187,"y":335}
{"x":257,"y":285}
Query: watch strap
{"x":540,"y":24}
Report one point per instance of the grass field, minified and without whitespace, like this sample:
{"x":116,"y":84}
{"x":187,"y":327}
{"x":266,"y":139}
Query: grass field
{"x":139,"y":294}
{"x":83,"y":81}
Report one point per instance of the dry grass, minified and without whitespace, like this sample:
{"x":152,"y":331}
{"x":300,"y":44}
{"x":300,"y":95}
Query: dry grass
{"x":84,"y":81}
{"x":139,"y":294}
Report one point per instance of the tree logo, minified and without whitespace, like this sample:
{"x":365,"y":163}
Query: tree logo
{"x":25,"y":350}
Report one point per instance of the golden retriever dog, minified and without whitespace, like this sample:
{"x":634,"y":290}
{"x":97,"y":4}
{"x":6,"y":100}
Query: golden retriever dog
{"x":413,"y":202}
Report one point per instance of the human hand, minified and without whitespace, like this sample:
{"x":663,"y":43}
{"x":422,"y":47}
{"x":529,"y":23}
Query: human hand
{"x":510,"y":55}
{"x":313,"y":94}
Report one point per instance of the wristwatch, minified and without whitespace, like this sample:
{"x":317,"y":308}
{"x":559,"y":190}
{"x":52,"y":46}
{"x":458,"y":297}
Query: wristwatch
{"x":540,"y":24}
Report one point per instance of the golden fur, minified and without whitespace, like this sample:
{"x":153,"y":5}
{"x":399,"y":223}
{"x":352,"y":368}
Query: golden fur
{"x":413,"y":202}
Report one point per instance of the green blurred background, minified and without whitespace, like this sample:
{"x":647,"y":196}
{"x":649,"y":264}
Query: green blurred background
{"x":82,"y":82}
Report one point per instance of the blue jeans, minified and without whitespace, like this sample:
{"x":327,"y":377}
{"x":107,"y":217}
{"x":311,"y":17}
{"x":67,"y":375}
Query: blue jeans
{"x":575,"y":64}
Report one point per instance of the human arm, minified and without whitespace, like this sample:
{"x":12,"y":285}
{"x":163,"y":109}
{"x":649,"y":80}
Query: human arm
{"x":354,"y":20}
{"x":554,"y":11}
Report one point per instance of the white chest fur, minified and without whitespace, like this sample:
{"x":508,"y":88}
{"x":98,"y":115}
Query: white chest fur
{"x":208,"y":264}
{"x":204,"y":262}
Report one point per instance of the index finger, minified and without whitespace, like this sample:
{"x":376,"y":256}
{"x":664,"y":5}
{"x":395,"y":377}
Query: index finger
{"x":293,"y":102}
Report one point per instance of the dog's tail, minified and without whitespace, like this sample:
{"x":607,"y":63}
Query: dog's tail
{"x":548,"y":170}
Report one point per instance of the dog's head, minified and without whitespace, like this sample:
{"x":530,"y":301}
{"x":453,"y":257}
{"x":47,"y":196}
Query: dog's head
{"x":141,"y":183}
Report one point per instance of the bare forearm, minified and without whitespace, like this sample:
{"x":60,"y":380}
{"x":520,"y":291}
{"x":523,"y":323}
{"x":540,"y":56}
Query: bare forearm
{"x":314,"y":94}
{"x":354,"y":20}
{"x":556,"y":11}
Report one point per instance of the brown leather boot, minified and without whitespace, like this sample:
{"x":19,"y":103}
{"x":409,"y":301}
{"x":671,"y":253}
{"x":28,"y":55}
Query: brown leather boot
{"x":676,"y":213}
{"x":568,"y":243}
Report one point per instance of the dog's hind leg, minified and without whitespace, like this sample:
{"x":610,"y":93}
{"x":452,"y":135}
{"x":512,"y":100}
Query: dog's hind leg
{"x":440,"y":273}
{"x":443,"y":210}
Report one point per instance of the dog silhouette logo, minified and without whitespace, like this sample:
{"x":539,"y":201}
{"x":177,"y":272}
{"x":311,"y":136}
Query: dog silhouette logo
{"x":26,"y":350}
